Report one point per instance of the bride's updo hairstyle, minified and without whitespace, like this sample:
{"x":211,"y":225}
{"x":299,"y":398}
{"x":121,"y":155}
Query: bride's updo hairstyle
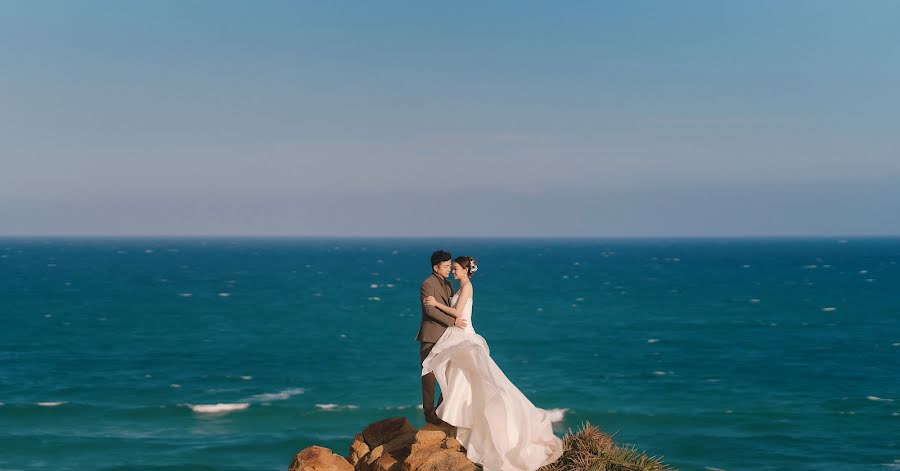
{"x":468,"y":263}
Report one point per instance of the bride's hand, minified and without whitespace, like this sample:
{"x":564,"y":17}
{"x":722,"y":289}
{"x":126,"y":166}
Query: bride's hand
{"x":430,"y":301}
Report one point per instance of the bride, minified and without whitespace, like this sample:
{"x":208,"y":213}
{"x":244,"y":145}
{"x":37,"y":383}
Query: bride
{"x":499,"y":427}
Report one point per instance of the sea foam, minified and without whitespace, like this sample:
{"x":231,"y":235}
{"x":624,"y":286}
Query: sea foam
{"x":332,"y":407}
{"x":557,"y":415}
{"x":876,"y":398}
{"x":281,"y":395}
{"x":217,"y":408}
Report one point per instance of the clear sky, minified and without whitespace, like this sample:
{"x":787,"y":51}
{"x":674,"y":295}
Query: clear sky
{"x":629,"y":118}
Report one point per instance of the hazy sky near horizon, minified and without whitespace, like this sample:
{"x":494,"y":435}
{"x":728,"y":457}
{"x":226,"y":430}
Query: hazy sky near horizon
{"x":633,"y":118}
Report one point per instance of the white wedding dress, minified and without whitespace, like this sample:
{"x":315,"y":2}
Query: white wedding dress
{"x":499,"y":427}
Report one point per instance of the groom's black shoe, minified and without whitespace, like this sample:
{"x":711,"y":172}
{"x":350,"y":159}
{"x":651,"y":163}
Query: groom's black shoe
{"x":434,"y":419}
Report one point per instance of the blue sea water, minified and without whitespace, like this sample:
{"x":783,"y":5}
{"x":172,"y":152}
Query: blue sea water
{"x":761,"y":354}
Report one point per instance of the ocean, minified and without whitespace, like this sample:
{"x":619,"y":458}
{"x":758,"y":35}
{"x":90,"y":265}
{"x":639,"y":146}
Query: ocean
{"x":235,"y":353}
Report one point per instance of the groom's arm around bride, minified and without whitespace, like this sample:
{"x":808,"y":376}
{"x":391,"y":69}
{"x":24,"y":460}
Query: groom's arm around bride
{"x":435,"y":321}
{"x":436,"y":315}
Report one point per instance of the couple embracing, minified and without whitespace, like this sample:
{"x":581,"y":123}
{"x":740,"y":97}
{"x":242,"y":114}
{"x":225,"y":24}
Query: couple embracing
{"x":498,"y":426}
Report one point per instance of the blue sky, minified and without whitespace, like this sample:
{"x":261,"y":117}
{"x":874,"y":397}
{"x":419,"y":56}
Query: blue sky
{"x":450,"y":119}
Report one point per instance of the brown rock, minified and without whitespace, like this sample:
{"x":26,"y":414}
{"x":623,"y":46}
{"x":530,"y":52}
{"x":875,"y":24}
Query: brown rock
{"x":401,"y":454}
{"x":435,"y":447}
{"x":358,"y":449}
{"x":392,"y":445}
{"x":417,"y":458}
{"x":375,"y":454}
{"x":383,"y":431}
{"x":385,"y":463}
{"x":451,"y":443}
{"x":385,"y":457}
{"x":446,"y":428}
{"x":401,"y":441}
{"x":447,"y":460}
{"x":318,"y":458}
{"x":429,"y":435}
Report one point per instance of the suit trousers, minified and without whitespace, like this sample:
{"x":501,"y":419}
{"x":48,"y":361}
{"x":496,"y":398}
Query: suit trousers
{"x":428,"y":382}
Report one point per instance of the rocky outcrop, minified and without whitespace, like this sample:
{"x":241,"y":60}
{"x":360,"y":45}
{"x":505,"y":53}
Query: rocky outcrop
{"x":395,"y":445}
{"x":317,"y":458}
{"x":392,"y":445}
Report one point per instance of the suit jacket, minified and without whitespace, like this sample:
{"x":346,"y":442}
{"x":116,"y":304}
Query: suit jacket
{"x":435,"y":321}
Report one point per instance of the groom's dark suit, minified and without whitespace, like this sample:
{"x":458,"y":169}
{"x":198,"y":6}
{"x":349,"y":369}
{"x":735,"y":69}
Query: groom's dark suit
{"x":434,"y":323}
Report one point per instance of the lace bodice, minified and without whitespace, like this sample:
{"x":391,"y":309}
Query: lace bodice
{"x":467,"y":311}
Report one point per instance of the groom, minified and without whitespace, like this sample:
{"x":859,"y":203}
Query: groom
{"x":434,"y":323}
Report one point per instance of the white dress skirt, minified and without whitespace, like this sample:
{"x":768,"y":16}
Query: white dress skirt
{"x":499,"y":427}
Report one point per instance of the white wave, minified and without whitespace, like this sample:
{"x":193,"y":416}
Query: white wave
{"x":281,"y":395}
{"x":876,"y":398}
{"x":217,"y":408}
{"x":556,"y":415}
{"x":224,"y":295}
{"x":374,"y":298}
{"x":829,"y":309}
{"x":50,"y":404}
{"x":652,"y":340}
{"x":185,"y":295}
{"x":333,"y":407}
{"x":247,"y":378}
{"x":659,"y":373}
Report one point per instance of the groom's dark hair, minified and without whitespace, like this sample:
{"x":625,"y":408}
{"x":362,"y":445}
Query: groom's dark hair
{"x":440,"y":256}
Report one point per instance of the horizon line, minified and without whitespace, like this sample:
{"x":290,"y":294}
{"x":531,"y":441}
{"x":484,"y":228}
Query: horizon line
{"x":426,"y":237}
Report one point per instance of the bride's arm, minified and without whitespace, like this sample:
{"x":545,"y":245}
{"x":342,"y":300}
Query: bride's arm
{"x":464,"y":295}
